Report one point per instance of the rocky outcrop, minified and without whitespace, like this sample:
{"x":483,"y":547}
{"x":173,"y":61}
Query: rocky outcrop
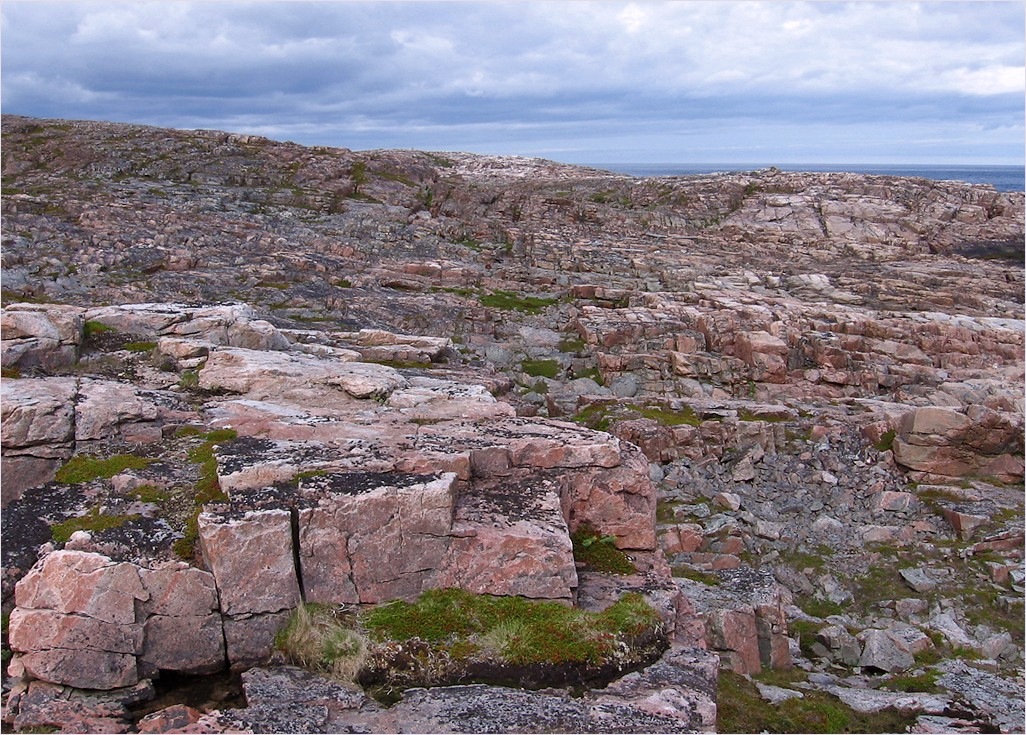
{"x":675,"y":695}
{"x":350,"y":483}
{"x":85,"y":621}
{"x":349,"y":377}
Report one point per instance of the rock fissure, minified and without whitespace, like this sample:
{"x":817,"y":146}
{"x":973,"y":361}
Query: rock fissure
{"x":297,"y":560}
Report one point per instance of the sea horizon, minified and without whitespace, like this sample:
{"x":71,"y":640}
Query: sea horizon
{"x":1001,"y":177}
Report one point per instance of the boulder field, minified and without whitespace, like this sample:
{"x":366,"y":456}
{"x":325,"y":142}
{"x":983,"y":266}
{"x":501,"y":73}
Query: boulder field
{"x":241,"y":376}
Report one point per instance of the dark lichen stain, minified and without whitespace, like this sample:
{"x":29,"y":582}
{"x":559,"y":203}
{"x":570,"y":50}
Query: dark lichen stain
{"x":357,"y":483}
{"x":237,"y":454}
{"x":25,"y":526}
{"x":511,"y":501}
{"x":137,"y":537}
{"x":307,"y":492}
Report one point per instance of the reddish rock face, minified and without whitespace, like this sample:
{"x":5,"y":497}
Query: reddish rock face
{"x":828,"y":346}
{"x":944,"y":442}
{"x":251,"y":558}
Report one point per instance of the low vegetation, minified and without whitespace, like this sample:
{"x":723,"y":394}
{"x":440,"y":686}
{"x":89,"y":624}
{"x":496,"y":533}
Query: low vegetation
{"x":86,"y":467}
{"x":740,"y":708}
{"x":450,"y":631}
{"x":599,"y":552}
{"x":510,"y":301}
{"x":94,"y":520}
{"x":207,"y":489}
{"x":601,"y":416}
{"x":540,"y":368}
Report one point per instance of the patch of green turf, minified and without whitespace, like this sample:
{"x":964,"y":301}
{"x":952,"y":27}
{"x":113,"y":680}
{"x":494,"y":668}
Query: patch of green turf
{"x":85,"y":467}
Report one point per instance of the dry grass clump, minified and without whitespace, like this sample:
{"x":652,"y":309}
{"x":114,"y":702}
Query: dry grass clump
{"x":317,"y":639}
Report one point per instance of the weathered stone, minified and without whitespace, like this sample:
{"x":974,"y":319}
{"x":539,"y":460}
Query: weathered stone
{"x":41,"y":705}
{"x":511,"y":541}
{"x":104,"y":408}
{"x":37,"y":431}
{"x":735,"y":635}
{"x":918,"y":579}
{"x":82,"y":668}
{"x":842,"y":646}
{"x":249,"y":639}
{"x":170,"y":719}
{"x":872,"y":700}
{"x":40,"y":335}
{"x":775,"y":694}
{"x":189,"y":644}
{"x":880,"y":651}
{"x":81,"y":583}
{"x":251,"y":557}
{"x":997,"y":699}
{"x":382,"y":540}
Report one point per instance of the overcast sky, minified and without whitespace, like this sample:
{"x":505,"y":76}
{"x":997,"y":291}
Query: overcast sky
{"x":582,"y":81}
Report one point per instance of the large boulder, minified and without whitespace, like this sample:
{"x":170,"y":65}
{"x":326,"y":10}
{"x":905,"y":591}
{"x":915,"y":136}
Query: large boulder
{"x":946,"y":442}
{"x":37,"y":431}
{"x":47,"y":336}
{"x":85,"y":621}
{"x":75,"y":621}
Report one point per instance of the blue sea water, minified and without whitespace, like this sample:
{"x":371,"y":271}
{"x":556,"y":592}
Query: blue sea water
{"x":1002,"y":178}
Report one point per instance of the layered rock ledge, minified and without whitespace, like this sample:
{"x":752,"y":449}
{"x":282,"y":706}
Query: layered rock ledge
{"x":240,"y":375}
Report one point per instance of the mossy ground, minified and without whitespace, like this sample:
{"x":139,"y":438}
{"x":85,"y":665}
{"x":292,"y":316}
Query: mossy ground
{"x":207,"y":489}
{"x":600,"y":416}
{"x":599,"y":552}
{"x":92,"y":521}
{"x":85,"y":467}
{"x":540,"y":368}
{"x":446,"y":633}
{"x":740,"y":709}
{"x":510,"y":301}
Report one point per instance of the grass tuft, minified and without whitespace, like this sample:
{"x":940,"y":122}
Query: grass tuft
{"x":315,"y":639}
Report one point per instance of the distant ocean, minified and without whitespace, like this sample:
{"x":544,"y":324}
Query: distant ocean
{"x":1003,"y":178}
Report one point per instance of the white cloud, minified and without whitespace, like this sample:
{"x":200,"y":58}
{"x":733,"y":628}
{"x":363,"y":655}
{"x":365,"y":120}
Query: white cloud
{"x":529,"y":67}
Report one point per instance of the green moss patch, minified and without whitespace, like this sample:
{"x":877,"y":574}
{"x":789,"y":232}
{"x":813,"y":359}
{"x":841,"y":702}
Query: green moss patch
{"x":207,"y":489}
{"x":92,"y":328}
{"x":92,"y":521}
{"x":707,"y":578}
{"x":85,"y":467}
{"x":599,"y":552}
{"x":541,"y":368}
{"x":510,"y":301}
{"x":600,"y":416}
{"x":454,"y":636}
{"x":740,"y":709}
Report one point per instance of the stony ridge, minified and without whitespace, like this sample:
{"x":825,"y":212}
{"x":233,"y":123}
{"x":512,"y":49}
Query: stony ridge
{"x":799,"y":393}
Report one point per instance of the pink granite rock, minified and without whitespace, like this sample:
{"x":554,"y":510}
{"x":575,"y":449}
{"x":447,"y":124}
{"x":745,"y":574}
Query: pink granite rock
{"x":250,"y":555}
{"x":82,"y":583}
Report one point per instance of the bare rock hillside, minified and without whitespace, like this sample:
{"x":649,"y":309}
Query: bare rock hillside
{"x":244,"y":377}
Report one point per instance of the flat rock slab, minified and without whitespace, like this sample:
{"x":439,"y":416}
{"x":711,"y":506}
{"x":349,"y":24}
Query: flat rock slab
{"x":674,"y":695}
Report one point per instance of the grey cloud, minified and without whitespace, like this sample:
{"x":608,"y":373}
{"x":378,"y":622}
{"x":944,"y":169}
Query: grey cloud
{"x":528,"y":74}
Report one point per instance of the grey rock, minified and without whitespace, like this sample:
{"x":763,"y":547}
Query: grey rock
{"x":999,"y":700}
{"x":871,"y":700}
{"x":775,"y":694}
{"x":880,"y":651}
{"x":918,"y":579}
{"x":625,"y":386}
{"x":841,"y":645}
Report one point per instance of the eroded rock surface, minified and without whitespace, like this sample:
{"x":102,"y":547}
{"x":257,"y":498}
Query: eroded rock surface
{"x":800,"y":393}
